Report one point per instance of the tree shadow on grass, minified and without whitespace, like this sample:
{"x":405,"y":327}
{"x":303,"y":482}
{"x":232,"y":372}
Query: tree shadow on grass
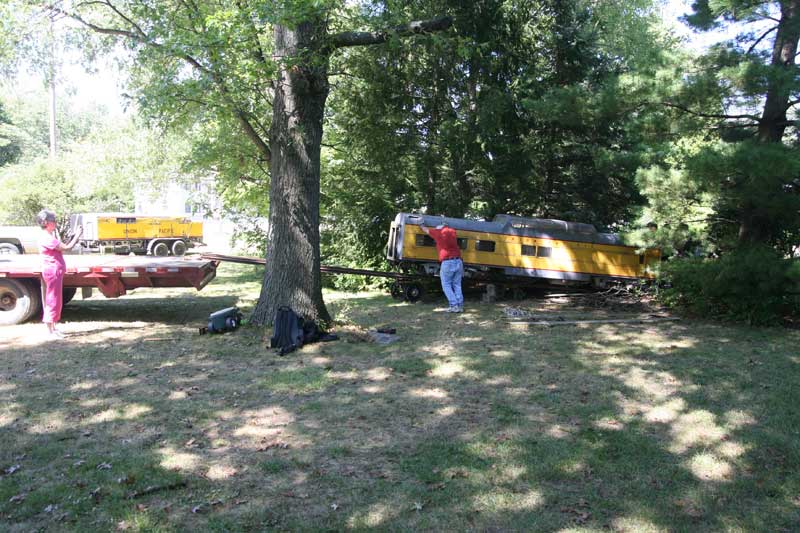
{"x":467,"y":424}
{"x":181,"y":309}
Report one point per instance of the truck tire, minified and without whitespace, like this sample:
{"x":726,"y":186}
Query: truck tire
{"x":6,"y":248}
{"x":161,"y":249}
{"x":68,"y":294}
{"x":35,"y":310}
{"x":178,"y":248}
{"x":18,"y":301}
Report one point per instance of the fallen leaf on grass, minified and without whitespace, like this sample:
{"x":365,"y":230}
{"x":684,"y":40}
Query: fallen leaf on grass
{"x":127,"y":479}
{"x":198,"y":508}
{"x":11,"y":469}
{"x":104,"y":466}
{"x":274,"y":444}
{"x":50,"y":508}
{"x":458,"y":472}
{"x":580,"y":517}
{"x":19,"y":498}
{"x":334,"y":506}
{"x":418,"y":506}
{"x":96,"y":495}
{"x":79,"y":462}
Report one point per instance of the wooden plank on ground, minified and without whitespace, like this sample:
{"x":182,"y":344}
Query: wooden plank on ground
{"x":538,"y":322}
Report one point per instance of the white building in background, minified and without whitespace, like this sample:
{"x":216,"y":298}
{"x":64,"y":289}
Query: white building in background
{"x":195,"y":202}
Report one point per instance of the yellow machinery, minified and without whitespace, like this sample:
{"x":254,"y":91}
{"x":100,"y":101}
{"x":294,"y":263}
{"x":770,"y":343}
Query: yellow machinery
{"x":553,"y":251}
{"x":140,"y":234}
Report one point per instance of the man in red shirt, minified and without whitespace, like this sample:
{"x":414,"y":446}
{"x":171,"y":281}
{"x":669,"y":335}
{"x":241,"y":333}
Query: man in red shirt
{"x":451,"y":268}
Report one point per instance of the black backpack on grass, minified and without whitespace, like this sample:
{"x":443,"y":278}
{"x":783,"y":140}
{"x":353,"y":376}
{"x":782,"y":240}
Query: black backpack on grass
{"x":288,"y":334}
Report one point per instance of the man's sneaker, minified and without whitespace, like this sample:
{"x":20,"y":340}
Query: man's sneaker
{"x":452,"y":310}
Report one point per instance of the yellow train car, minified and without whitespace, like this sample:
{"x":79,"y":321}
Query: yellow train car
{"x":140,"y":234}
{"x":529,"y":249}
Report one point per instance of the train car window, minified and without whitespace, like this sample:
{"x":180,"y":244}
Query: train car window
{"x":484,"y":246}
{"x":424,"y":240}
{"x":462,"y":243}
{"x":121,"y":220}
{"x":544,"y":251}
{"x":527,"y":249}
{"x":641,"y":259}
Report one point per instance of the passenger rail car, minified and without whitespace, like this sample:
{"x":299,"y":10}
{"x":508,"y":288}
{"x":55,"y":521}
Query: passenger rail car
{"x":525,"y":249}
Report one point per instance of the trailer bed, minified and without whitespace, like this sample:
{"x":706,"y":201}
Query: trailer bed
{"x":115,"y":275}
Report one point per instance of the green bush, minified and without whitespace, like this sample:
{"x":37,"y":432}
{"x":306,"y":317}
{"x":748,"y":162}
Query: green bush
{"x":755,"y":285}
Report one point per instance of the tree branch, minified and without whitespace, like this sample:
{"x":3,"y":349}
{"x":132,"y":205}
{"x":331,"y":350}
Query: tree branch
{"x":709,"y":115}
{"x":139,"y":36}
{"x":365,"y":38}
{"x":763,"y":35}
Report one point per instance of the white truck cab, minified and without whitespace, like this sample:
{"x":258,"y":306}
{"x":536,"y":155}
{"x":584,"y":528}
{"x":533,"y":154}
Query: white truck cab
{"x":19,"y":240}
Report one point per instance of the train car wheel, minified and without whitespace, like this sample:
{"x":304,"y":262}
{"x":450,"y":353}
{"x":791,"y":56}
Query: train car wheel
{"x":413,"y":292}
{"x":161,"y":249}
{"x":178,"y":248}
{"x":397,"y":291}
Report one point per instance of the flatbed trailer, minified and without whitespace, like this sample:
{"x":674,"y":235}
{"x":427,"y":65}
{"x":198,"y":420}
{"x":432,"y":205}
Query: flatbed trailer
{"x":113,"y":276}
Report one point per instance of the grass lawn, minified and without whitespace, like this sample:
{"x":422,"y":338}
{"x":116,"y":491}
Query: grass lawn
{"x":136,"y":422}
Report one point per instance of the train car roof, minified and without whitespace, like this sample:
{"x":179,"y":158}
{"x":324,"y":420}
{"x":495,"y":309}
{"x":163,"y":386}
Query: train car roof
{"x":543,"y":228}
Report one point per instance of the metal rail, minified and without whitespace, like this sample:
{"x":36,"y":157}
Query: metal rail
{"x":325,"y":269}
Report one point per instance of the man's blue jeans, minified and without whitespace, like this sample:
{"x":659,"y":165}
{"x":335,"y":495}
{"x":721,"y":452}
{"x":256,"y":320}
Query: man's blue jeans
{"x":451,"y":272}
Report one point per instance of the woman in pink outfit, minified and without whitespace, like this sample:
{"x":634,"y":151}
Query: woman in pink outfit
{"x":53,"y":269}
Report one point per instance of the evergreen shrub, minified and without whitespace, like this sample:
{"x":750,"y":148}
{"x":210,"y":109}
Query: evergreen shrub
{"x":754,"y":285}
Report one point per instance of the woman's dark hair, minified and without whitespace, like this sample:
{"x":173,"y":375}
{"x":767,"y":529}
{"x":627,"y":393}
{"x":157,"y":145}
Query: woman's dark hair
{"x":45,"y":216}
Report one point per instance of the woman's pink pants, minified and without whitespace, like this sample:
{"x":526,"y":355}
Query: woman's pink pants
{"x":54,"y":293}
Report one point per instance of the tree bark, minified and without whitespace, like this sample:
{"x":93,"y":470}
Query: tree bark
{"x":773,"y":120}
{"x":292,"y":276}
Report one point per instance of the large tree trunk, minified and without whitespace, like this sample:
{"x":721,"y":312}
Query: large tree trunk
{"x":784,"y":49}
{"x":754,"y":228}
{"x":292,"y":275}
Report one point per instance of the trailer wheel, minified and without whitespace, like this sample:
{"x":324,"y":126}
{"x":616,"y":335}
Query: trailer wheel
{"x":18,"y":301}
{"x":68,"y":294}
{"x":178,"y":248}
{"x":413,"y":292}
{"x":397,"y":291}
{"x":6,"y":248}
{"x":161,"y":249}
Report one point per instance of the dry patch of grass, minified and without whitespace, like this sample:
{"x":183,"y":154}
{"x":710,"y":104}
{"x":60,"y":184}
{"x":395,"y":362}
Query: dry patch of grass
{"x":135,"y":422}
